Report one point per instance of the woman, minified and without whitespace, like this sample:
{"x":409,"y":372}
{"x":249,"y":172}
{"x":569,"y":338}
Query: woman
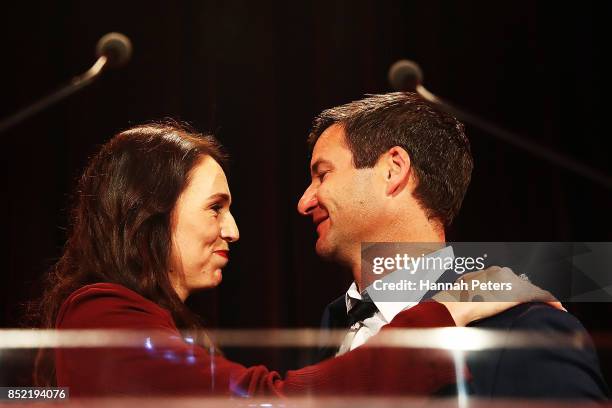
{"x":151,"y":225}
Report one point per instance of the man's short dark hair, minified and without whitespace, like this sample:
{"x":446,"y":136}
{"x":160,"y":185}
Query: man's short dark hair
{"x":436,"y":142}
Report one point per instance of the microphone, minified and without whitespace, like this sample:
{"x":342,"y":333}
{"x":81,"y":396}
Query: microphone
{"x":116,"y":47}
{"x":407,"y":76}
{"x":113,"y":50}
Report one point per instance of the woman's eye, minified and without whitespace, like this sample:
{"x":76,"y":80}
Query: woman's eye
{"x":322,"y":175}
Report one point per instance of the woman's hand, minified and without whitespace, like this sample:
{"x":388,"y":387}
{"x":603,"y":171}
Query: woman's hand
{"x":479,"y":302}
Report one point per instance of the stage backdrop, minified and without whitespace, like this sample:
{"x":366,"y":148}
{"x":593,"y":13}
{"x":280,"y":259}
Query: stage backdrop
{"x":255,"y":74}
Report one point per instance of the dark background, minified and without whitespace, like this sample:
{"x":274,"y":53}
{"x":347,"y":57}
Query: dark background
{"x":255,"y":74}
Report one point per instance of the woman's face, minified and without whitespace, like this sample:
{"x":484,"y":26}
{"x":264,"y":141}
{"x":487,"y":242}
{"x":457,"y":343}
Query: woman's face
{"x":202,"y":228}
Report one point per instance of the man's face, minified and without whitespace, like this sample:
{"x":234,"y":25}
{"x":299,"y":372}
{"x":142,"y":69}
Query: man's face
{"x":341,"y":199}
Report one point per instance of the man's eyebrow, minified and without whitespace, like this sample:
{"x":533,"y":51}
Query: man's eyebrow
{"x":220,"y":197}
{"x":314,"y":167}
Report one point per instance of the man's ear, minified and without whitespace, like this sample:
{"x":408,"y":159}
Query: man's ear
{"x":397,"y":170}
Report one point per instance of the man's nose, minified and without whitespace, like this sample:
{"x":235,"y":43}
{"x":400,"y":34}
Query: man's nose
{"x":308,"y":202}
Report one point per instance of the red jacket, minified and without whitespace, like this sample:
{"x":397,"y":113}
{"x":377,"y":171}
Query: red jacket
{"x":183,"y":368}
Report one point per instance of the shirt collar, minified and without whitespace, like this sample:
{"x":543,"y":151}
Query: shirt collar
{"x":352,"y":296}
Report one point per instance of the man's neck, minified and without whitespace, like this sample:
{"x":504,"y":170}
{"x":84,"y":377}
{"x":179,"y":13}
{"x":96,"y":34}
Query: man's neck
{"x":432,"y":240}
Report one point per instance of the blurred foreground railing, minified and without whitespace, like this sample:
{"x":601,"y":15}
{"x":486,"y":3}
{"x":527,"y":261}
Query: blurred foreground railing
{"x":455,"y":338}
{"x":458,"y":341}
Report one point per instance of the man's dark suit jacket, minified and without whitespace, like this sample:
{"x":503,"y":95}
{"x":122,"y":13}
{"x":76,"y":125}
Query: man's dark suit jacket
{"x":554,"y":373}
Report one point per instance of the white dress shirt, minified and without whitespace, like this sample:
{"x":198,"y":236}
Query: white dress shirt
{"x":361,"y":331}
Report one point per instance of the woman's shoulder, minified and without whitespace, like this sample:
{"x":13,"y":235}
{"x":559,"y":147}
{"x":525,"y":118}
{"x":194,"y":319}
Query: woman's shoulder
{"x":110,"y":305}
{"x":105,"y":290}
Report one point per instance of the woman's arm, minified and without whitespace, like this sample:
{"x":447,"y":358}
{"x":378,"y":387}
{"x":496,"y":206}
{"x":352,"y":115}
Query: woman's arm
{"x":381,"y":370}
{"x":166,"y":364}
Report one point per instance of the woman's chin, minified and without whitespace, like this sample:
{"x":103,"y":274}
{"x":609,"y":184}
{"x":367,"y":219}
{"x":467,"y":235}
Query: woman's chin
{"x":214,"y":280}
{"x":218,"y":277}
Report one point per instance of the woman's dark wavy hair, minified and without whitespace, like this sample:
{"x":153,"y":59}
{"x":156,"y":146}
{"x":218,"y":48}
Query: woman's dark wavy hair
{"x":120,"y":229}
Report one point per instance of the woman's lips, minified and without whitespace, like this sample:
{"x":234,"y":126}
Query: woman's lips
{"x":223,"y":253}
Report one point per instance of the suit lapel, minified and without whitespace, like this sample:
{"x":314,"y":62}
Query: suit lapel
{"x":334,"y":317}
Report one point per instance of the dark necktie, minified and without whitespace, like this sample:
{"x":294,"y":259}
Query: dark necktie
{"x":361,"y":311}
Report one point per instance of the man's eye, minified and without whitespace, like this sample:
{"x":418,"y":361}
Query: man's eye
{"x":322,"y":175}
{"x":216,"y":208}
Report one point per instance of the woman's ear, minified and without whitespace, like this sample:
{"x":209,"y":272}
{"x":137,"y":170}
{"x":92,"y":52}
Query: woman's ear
{"x":397,"y":168}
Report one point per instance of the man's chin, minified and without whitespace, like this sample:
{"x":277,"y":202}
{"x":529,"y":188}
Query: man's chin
{"x":324,"y":250}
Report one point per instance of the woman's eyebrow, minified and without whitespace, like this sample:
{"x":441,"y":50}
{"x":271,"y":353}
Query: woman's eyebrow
{"x":220,"y":197}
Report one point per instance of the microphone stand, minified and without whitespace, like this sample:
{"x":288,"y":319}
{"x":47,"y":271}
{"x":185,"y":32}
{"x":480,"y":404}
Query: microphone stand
{"x":523,"y":143}
{"x":73,"y":86}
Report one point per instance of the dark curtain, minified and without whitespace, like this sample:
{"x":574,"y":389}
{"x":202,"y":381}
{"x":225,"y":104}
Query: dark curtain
{"x":255,"y":74}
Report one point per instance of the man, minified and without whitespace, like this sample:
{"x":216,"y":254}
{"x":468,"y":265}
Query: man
{"x":390,"y":168}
